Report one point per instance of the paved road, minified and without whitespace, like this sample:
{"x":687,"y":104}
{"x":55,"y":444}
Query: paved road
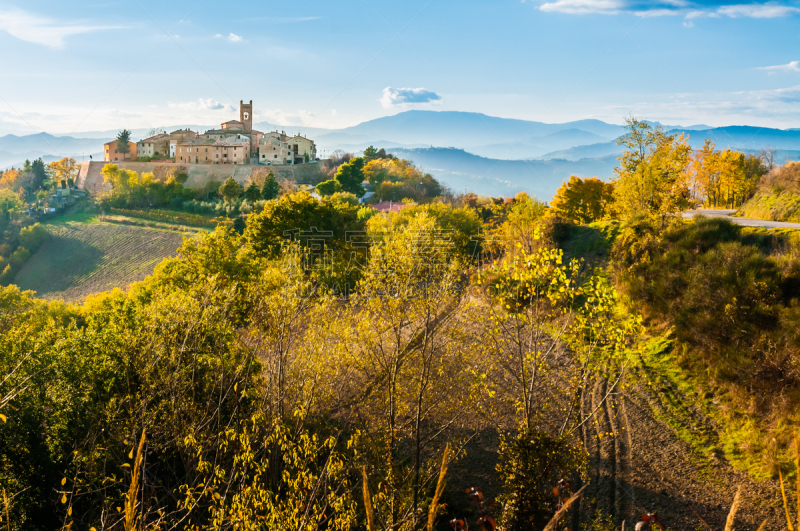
{"x":742,"y":221}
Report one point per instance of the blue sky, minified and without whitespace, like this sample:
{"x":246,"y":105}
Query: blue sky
{"x":74,"y":66}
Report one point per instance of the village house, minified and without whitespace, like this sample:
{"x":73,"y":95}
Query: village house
{"x":235,"y":142}
{"x":112,"y":155}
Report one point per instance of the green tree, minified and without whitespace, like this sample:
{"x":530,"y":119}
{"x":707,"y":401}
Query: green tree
{"x":370,"y":154}
{"x":270,"y":189}
{"x":39,"y":172}
{"x":350,"y":176}
{"x":329,"y":187}
{"x":252,"y":192}
{"x":230,"y":189}
{"x":123,"y":137}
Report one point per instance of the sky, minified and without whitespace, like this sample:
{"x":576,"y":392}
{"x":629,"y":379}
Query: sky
{"x":67,"y":67}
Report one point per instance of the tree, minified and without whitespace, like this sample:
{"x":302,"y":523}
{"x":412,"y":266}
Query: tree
{"x":123,"y":137}
{"x":583,"y":200}
{"x":329,"y":187}
{"x":270,"y":189}
{"x":724,"y":178}
{"x":350,"y":176}
{"x":39,"y":172}
{"x":64,"y":169}
{"x":652,"y":177}
{"x":370,"y":154}
{"x":252,"y":192}
{"x":230,"y":189}
{"x":239,"y":225}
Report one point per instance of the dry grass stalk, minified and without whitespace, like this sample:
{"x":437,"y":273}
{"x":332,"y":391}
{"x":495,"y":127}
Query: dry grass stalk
{"x":734,"y":508}
{"x":437,"y":495}
{"x":551,"y":525}
{"x":367,"y":500}
{"x":8,"y":518}
{"x":797,"y":470}
{"x":133,"y":491}
{"x":762,"y":526}
{"x":785,"y":502}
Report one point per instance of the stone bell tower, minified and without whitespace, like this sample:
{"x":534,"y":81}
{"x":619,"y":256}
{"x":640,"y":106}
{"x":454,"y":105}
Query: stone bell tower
{"x":246,"y":114}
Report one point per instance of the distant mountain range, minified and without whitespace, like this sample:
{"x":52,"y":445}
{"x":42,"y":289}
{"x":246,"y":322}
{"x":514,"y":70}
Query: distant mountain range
{"x":489,"y":155}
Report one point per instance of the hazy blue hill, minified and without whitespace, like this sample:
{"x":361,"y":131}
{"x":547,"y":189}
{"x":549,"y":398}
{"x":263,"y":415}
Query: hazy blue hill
{"x":457,"y":168}
{"x":745,"y":137}
{"x":15,"y":149}
{"x":463,"y":129}
{"x":603,"y":149}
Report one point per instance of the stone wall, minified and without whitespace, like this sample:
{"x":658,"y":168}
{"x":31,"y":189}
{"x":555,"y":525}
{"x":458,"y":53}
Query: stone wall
{"x":90,"y":176}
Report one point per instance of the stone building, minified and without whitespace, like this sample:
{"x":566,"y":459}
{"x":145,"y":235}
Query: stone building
{"x":235,"y":142}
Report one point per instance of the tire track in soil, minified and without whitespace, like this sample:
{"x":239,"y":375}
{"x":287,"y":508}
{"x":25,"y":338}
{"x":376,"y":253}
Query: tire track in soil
{"x":608,"y":443}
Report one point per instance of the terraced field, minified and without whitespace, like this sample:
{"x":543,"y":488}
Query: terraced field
{"x":84,"y":258}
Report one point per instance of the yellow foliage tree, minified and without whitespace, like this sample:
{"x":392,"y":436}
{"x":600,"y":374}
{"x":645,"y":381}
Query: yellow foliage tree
{"x":720,"y":177}
{"x":652,"y":176}
{"x":583,"y":200}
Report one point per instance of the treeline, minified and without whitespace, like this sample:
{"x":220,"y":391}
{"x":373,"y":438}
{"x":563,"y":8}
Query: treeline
{"x":659,"y":172}
{"x":130,"y":190}
{"x":389,"y":178}
{"x":321,"y":378}
{"x":19,"y":236}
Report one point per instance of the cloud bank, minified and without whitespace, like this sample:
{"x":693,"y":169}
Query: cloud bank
{"x":32,"y":28}
{"x":393,"y":97}
{"x":793,"y":66}
{"x":691,"y":9}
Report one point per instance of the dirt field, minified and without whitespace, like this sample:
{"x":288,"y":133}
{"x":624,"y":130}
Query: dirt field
{"x":84,"y":258}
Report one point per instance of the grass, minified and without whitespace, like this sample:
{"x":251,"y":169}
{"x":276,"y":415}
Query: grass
{"x":86,"y":256}
{"x":590,"y":242}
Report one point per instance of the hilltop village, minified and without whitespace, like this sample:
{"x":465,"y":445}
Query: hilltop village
{"x":235,"y":142}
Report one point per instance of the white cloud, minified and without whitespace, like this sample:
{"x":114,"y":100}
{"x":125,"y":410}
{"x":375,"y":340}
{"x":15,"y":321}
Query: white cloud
{"x":688,"y":24}
{"x":40,"y":30}
{"x":231,"y":37}
{"x":407,"y":96}
{"x":203,"y":105}
{"x":692,"y":9}
{"x":793,"y":66}
{"x":581,"y":7}
{"x":758,"y":10}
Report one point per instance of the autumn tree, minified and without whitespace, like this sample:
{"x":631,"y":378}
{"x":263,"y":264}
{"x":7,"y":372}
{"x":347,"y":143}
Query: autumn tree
{"x":583,"y":200}
{"x":63,"y":170}
{"x":652,"y":177}
{"x":724,"y":178}
{"x":400,"y":351}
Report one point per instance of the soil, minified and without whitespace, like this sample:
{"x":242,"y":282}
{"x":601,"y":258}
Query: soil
{"x":639,"y":465}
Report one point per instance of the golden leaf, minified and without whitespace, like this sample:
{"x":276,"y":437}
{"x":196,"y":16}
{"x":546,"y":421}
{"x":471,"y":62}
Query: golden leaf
{"x":64,"y":498}
{"x":3,"y":418}
{"x":64,"y":481}
{"x":130,"y":455}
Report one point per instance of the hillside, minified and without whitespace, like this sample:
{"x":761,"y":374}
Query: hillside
{"x":82,"y":258}
{"x":777,"y":197}
{"x":457,"y":168}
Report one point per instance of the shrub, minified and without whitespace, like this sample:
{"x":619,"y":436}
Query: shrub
{"x":531,"y":464}
{"x":33,"y":237}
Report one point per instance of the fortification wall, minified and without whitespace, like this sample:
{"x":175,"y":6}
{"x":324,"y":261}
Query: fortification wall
{"x":90,"y":175}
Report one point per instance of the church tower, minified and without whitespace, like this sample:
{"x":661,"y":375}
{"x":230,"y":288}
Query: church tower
{"x":246,"y":114}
